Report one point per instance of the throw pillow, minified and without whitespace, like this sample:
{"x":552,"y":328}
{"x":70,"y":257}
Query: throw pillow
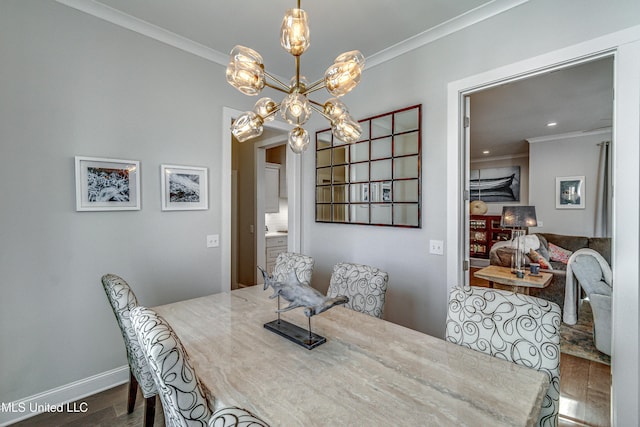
{"x":556,"y":253}
{"x":536,"y":257}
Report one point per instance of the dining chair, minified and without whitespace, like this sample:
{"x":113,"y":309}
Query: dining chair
{"x":287,"y":261}
{"x":122,"y":300}
{"x":365,"y":286}
{"x":518,"y":328}
{"x":184,"y":399}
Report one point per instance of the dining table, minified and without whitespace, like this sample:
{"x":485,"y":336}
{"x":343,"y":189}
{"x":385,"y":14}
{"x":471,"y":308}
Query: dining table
{"x":369,"y":372}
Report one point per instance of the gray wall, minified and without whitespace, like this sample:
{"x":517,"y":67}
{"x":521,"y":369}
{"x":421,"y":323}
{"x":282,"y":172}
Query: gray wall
{"x":566,"y":157}
{"x":71,"y":84}
{"x":417,"y":292}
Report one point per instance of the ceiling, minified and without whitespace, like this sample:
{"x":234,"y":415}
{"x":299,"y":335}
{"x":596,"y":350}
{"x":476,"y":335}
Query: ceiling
{"x":336,"y":26}
{"x":578,"y":98}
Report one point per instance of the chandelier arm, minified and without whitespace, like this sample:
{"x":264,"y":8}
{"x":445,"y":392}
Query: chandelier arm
{"x":313,"y":89}
{"x":283,"y":86}
{"x":273,"y":112}
{"x":298,"y":70}
{"x":278,"y":88}
{"x":320,"y":110}
{"x":315,"y":84}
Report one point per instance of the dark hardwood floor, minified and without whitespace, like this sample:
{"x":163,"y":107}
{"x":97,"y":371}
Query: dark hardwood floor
{"x":584,"y":401}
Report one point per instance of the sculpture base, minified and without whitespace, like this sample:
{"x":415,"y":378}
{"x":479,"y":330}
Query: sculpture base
{"x":295,"y":333}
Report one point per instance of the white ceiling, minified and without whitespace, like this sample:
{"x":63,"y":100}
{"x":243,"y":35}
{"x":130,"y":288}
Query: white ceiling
{"x":502,"y":118}
{"x":336,"y":25}
{"x":578,"y":99}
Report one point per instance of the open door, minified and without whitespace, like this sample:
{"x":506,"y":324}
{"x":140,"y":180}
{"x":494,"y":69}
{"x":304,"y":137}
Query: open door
{"x":465,"y":193}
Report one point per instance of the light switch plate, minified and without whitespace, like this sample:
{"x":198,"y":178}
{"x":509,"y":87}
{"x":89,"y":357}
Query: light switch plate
{"x":436,"y":247}
{"x":213,"y":241}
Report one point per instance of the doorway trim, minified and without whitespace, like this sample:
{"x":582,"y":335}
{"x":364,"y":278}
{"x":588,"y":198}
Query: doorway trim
{"x":294,"y":175}
{"x":624,"y":45}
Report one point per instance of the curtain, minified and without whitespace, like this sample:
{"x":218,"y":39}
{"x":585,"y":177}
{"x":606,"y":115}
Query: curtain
{"x":603,"y":193}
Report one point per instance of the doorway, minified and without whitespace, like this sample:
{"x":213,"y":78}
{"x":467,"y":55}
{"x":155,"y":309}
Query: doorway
{"x":231,"y":209}
{"x":532,"y":130}
{"x":625,"y":46}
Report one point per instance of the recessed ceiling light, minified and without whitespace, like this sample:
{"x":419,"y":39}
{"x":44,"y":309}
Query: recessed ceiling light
{"x":551,"y":124}
{"x":486,"y":152}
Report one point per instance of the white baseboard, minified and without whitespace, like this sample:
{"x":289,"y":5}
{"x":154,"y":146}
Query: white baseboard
{"x":58,"y":399}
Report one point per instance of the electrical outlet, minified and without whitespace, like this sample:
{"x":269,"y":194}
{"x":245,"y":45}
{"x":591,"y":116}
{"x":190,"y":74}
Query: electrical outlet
{"x":436,"y":247}
{"x":213,"y":241}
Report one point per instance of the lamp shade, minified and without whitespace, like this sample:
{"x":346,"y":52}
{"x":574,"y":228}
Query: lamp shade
{"x":298,"y":140}
{"x":518,"y":217}
{"x":294,"y":34}
{"x":247,"y":126}
{"x":345,"y":73}
{"x":245,"y":71}
{"x":295,"y":109}
{"x":346,"y":129}
{"x":265,"y":107}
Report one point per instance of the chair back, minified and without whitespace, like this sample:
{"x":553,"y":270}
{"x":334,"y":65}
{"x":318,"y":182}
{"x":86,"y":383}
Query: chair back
{"x":518,"y":328}
{"x":287,"y":261}
{"x":183,"y":398}
{"x":365,"y":286}
{"x":123,"y":300}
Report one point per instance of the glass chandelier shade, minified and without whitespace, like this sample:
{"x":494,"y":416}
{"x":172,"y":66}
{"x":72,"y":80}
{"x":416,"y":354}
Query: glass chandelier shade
{"x":345,"y":73}
{"x":298,"y":140}
{"x":265,"y":108}
{"x":247,"y":126}
{"x":346,"y":129}
{"x":246,"y":73}
{"x":294,"y":34}
{"x":295,"y":109}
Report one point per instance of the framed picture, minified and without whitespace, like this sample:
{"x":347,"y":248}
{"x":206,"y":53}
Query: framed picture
{"x":107,"y":184}
{"x":495,"y":184}
{"x":184,"y":188}
{"x":570,"y":192}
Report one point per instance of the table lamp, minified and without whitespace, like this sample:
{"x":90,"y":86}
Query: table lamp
{"x":518,"y":218}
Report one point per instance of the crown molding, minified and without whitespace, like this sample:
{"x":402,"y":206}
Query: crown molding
{"x":568,"y":135}
{"x":444,"y":29}
{"x":498,"y":158}
{"x":114,"y":16}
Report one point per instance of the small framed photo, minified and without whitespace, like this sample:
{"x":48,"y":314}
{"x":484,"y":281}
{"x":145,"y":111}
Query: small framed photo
{"x":184,"y":188}
{"x":107,"y":184}
{"x":570,"y":192}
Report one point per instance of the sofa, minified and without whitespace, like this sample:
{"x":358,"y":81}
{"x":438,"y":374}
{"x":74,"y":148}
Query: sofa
{"x":500,"y":254}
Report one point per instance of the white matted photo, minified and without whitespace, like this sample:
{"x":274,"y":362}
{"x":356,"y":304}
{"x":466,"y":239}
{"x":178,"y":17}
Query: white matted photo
{"x":184,"y":188}
{"x":107,"y":184}
{"x":570,"y":192}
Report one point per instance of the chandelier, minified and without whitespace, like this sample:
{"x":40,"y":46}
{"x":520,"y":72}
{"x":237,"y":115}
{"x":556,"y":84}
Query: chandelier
{"x":246,"y":73}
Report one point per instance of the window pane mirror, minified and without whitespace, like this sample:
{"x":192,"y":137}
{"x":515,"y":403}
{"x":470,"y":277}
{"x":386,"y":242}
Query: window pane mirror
{"x":376,"y":180}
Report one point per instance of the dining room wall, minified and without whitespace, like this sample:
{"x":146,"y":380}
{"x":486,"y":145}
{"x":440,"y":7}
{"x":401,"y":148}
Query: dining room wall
{"x":417,"y":292}
{"x":71,"y":84}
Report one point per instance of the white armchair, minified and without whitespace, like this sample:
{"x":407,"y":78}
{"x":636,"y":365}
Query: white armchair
{"x":595,"y":277}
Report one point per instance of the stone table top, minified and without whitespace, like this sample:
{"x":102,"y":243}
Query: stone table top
{"x":369,"y":372}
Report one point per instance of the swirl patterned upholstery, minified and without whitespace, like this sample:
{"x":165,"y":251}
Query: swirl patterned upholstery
{"x":365,"y":286}
{"x":184,"y":400}
{"x":123,"y":300}
{"x":287,"y":261}
{"x":518,"y":328}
